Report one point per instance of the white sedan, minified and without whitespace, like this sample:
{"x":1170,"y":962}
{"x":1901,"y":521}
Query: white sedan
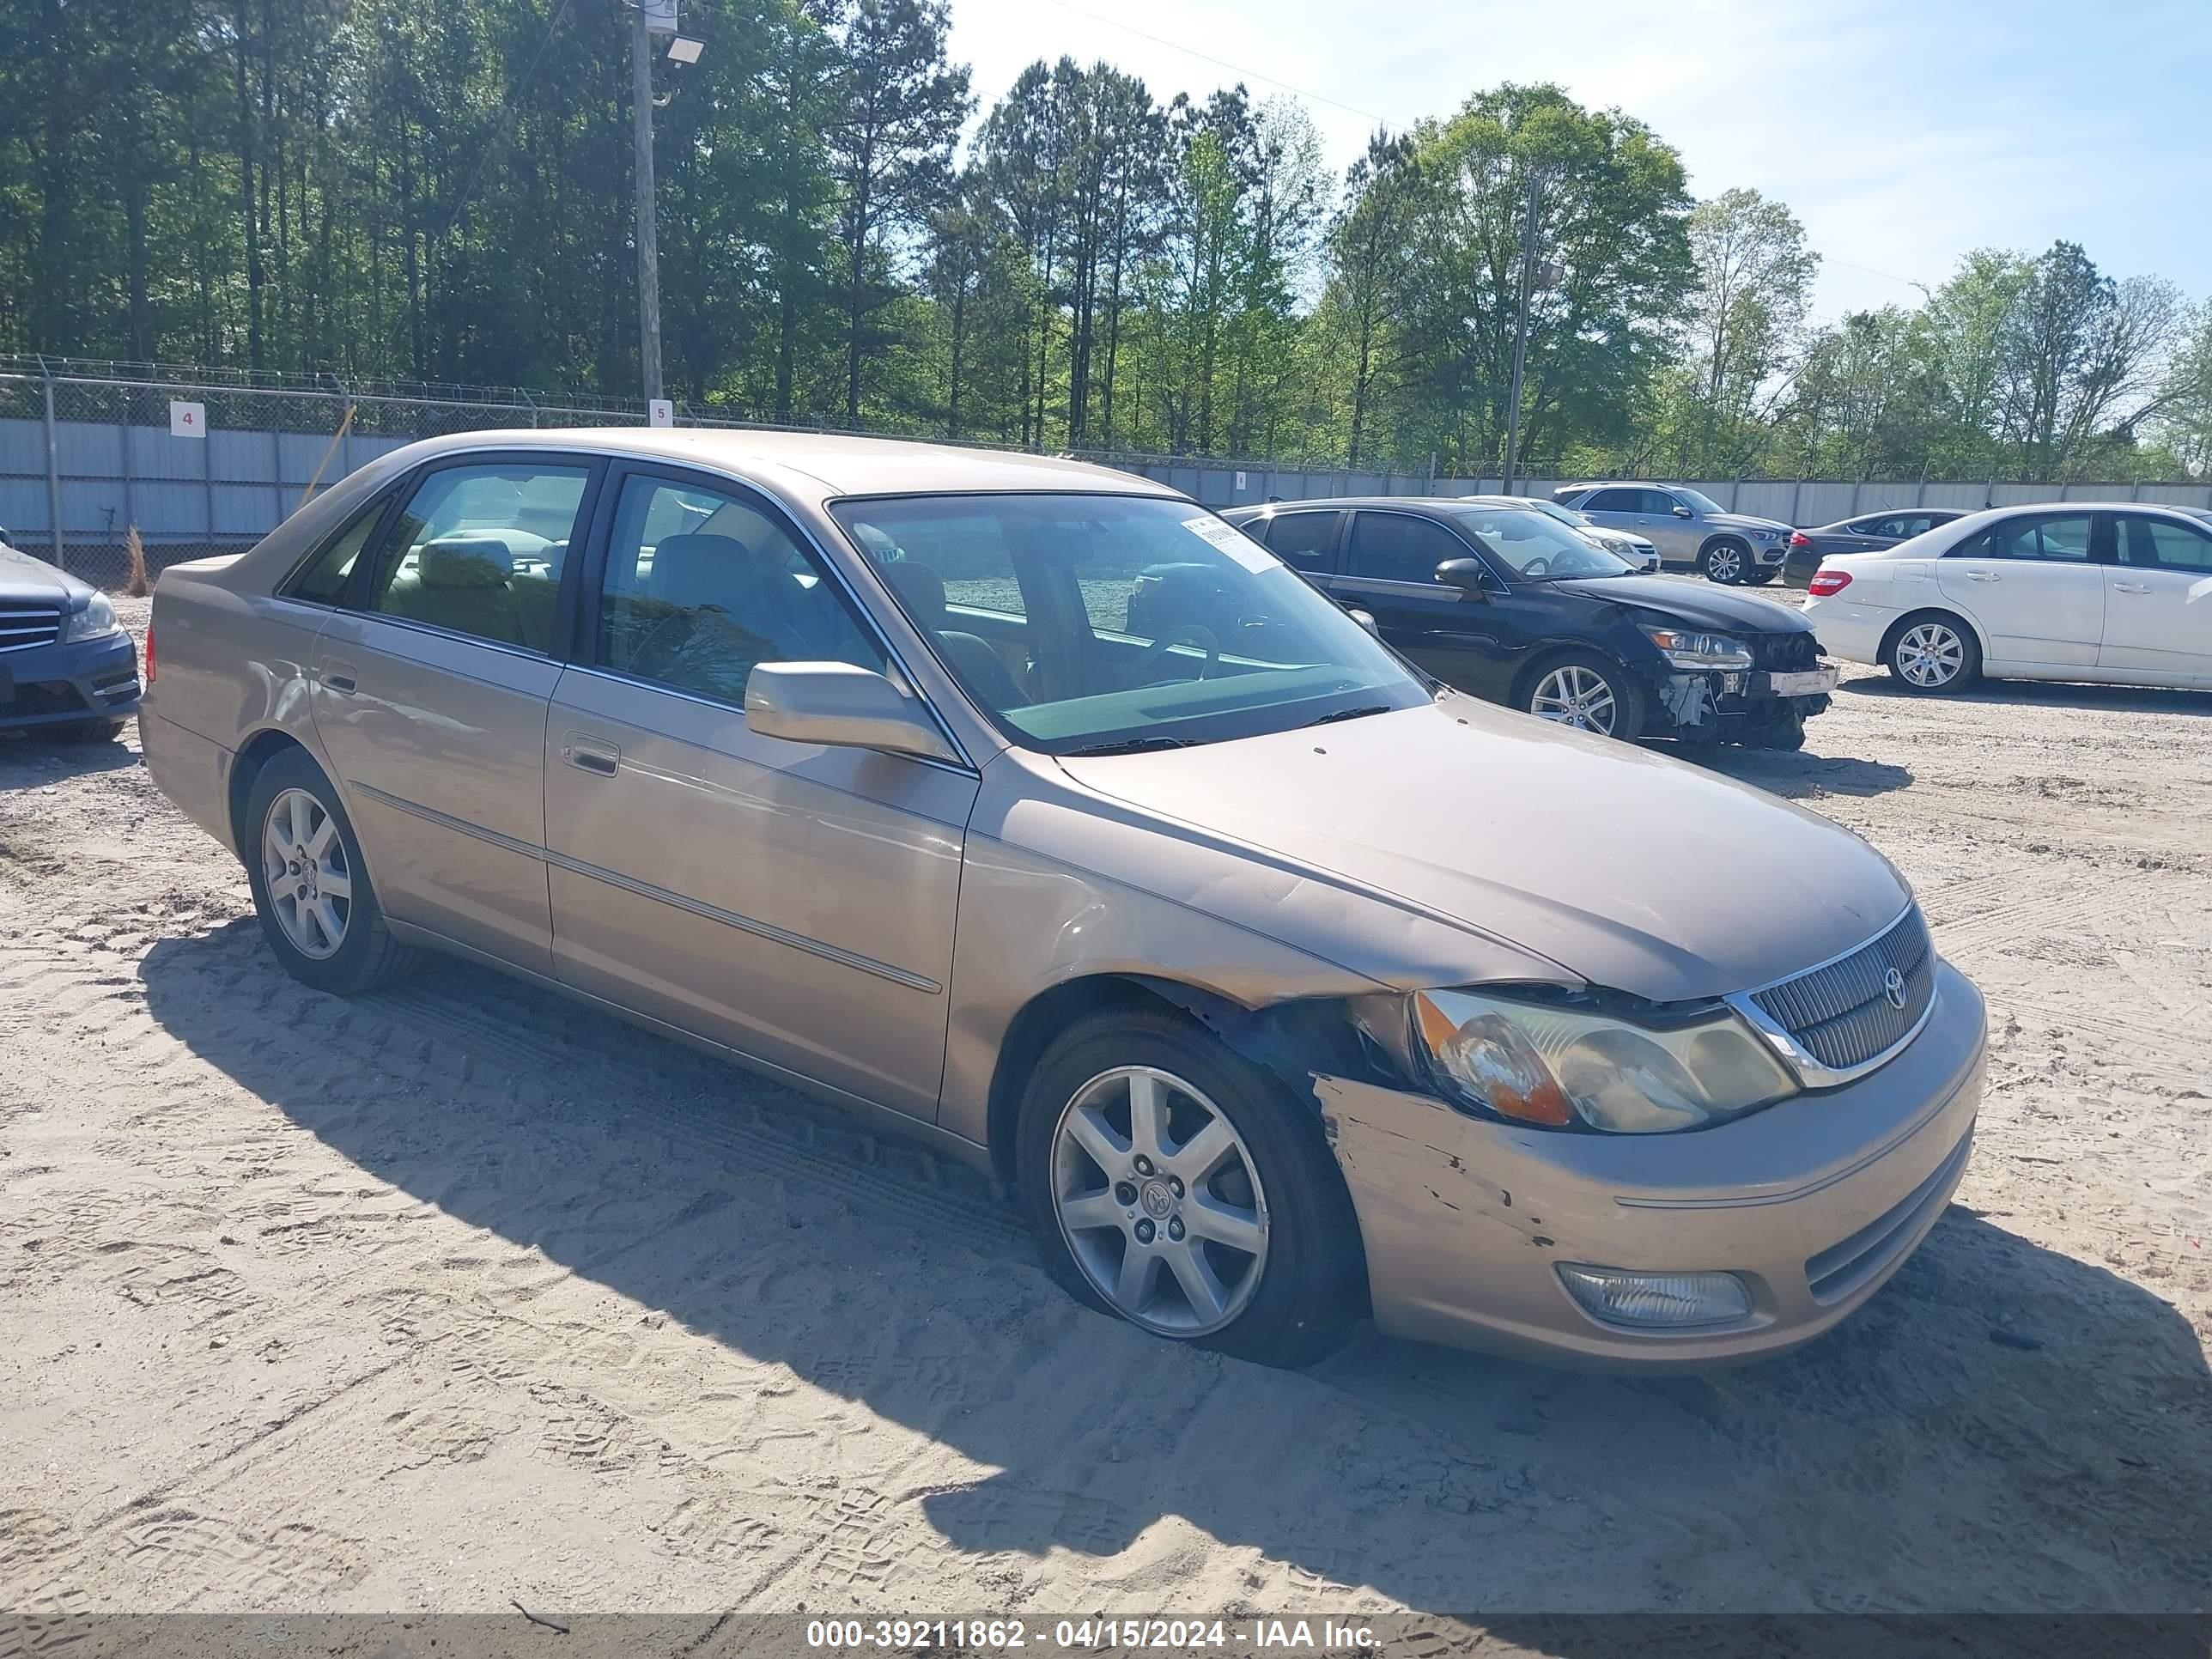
{"x":2119,"y":593}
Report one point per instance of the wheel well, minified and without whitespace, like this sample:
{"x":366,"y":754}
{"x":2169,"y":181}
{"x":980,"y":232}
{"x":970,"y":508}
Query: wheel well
{"x":262,"y":748}
{"x":1050,"y":1012}
{"x":1553,"y":655}
{"x":1930,"y":613}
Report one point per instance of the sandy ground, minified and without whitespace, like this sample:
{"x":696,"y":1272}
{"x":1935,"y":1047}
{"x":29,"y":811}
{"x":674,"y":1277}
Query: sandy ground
{"x":459,"y":1294}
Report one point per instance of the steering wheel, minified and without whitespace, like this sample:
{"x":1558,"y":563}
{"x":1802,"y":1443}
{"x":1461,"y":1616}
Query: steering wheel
{"x":1536,"y":567}
{"x":1148,"y":662}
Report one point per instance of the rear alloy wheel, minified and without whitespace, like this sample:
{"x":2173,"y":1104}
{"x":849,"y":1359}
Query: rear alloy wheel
{"x":1582,"y":693}
{"x":310,"y":887}
{"x":1933,"y":655}
{"x":1174,"y":1184}
{"x":1724,"y":562}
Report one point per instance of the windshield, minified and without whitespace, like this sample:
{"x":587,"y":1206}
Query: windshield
{"x":1089,"y":623}
{"x":1705,"y":504}
{"x":1534,"y":547}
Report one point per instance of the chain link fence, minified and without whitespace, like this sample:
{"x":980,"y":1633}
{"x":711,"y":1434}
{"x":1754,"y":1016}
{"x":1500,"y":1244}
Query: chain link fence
{"x":196,"y":462}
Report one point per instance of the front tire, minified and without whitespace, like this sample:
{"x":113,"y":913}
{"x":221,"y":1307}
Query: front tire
{"x":1174,"y":1184}
{"x":311,"y":888}
{"x":1584,"y":691}
{"x":1930,"y":655}
{"x":1725,"y":561}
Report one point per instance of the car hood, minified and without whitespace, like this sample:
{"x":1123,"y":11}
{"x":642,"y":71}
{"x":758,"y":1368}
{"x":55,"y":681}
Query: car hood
{"x":1693,"y":600}
{"x":1745,"y":521}
{"x":1636,"y":871}
{"x":25,"y":579}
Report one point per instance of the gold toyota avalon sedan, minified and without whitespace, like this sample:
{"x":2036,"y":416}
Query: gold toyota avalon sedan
{"x":1282,"y":984}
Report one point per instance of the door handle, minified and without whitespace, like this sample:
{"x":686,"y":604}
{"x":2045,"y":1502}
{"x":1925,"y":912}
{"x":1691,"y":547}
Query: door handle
{"x":338,"y":681}
{"x":1983,"y":576}
{"x":589,"y":754}
{"x":2130,"y":587}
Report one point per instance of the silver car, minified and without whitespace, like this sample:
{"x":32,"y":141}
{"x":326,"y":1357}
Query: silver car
{"x":1281,"y":984}
{"x":1692,"y":531}
{"x":1639,"y":554}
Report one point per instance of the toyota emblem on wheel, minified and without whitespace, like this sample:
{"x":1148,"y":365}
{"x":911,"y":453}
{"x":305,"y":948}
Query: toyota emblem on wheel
{"x":1893,"y":987}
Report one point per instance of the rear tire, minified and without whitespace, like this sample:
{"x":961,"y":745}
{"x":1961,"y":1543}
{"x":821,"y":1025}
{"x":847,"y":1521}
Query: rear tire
{"x":1932,"y":653}
{"x":1238,"y":1196}
{"x":311,"y":887}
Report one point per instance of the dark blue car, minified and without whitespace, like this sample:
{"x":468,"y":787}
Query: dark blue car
{"x":1514,"y":606}
{"x":67,"y":668}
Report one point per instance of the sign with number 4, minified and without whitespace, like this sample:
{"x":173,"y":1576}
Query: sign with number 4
{"x":187,"y":420}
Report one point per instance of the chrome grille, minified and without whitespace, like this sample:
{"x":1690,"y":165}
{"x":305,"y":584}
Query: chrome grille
{"x":1841,"y":1014}
{"x":22,"y":626}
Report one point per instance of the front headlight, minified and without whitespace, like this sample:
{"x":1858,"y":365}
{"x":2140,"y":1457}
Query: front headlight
{"x":1565,"y":1067}
{"x":1764,"y":535}
{"x":96,"y":621}
{"x":1687,"y":650}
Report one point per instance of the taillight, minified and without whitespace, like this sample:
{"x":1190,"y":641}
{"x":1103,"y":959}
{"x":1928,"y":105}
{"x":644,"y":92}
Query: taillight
{"x":1799,"y":538}
{"x":1828,"y":581}
{"x":148,"y":676}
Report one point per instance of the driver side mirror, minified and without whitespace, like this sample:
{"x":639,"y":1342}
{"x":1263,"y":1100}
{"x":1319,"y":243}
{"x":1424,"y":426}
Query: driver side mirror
{"x":1682,"y":512}
{"x":1468,"y":575}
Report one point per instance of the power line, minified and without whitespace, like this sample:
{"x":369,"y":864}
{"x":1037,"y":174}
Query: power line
{"x":508,"y":108}
{"x":1221,"y":62}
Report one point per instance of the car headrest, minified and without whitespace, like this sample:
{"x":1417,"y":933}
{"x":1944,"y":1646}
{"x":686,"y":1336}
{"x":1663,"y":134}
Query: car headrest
{"x":921,"y":589}
{"x":464,"y":562}
{"x":700,"y":569}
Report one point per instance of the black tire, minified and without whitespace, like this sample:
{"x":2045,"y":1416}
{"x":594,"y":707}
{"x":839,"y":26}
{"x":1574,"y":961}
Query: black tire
{"x":1312,"y":1287}
{"x":1722,"y":545}
{"x":368,"y":956}
{"x":88,"y":731}
{"x":1907,"y":666}
{"x":1628,"y":700}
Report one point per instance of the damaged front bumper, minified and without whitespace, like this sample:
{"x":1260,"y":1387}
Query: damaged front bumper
{"x":1811,"y":1204}
{"x":1738,"y":706}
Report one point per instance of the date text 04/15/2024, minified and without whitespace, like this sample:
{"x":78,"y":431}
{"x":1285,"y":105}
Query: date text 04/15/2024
{"x":976,"y":1636}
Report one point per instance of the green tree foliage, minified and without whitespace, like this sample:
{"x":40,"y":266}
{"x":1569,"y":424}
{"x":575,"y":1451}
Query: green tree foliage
{"x":382,"y":189}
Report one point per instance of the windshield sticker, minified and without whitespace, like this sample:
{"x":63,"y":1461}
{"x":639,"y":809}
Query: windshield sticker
{"x":1233,"y":542}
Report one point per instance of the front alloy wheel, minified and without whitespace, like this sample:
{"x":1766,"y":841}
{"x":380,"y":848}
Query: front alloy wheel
{"x":1573,"y":694}
{"x":1724,"y":563}
{"x":1159,"y":1201}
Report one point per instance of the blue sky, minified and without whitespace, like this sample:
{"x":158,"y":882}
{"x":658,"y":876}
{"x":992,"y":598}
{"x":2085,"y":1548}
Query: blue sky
{"x":1901,"y":134}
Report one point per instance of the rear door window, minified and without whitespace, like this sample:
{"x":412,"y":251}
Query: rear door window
{"x":1615,"y":500}
{"x":479,"y":550}
{"x":1397,"y":547}
{"x":1307,"y":540}
{"x":2062,"y":537}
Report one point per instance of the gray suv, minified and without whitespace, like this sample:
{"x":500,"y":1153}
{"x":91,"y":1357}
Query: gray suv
{"x":1690,"y":529}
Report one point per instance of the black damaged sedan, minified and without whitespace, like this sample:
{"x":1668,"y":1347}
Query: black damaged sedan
{"x":1514,"y":606}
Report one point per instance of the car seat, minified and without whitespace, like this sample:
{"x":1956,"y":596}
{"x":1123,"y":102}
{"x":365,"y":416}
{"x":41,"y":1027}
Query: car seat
{"x":980,"y":668}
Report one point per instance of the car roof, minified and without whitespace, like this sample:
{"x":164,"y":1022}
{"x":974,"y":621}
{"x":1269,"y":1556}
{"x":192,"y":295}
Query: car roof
{"x":820,"y":465}
{"x":1430,"y":504}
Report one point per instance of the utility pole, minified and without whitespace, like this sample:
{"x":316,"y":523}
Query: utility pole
{"x":1520,"y":335}
{"x":648,"y":231}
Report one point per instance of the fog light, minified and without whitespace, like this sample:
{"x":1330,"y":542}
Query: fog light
{"x":1656,"y":1300}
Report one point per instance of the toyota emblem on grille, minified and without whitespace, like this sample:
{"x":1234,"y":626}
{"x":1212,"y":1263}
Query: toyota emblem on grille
{"x":1893,"y":987}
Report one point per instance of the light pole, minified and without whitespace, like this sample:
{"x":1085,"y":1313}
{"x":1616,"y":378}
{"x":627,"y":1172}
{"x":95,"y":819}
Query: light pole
{"x":649,"y":230}
{"x":1520,"y":334}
